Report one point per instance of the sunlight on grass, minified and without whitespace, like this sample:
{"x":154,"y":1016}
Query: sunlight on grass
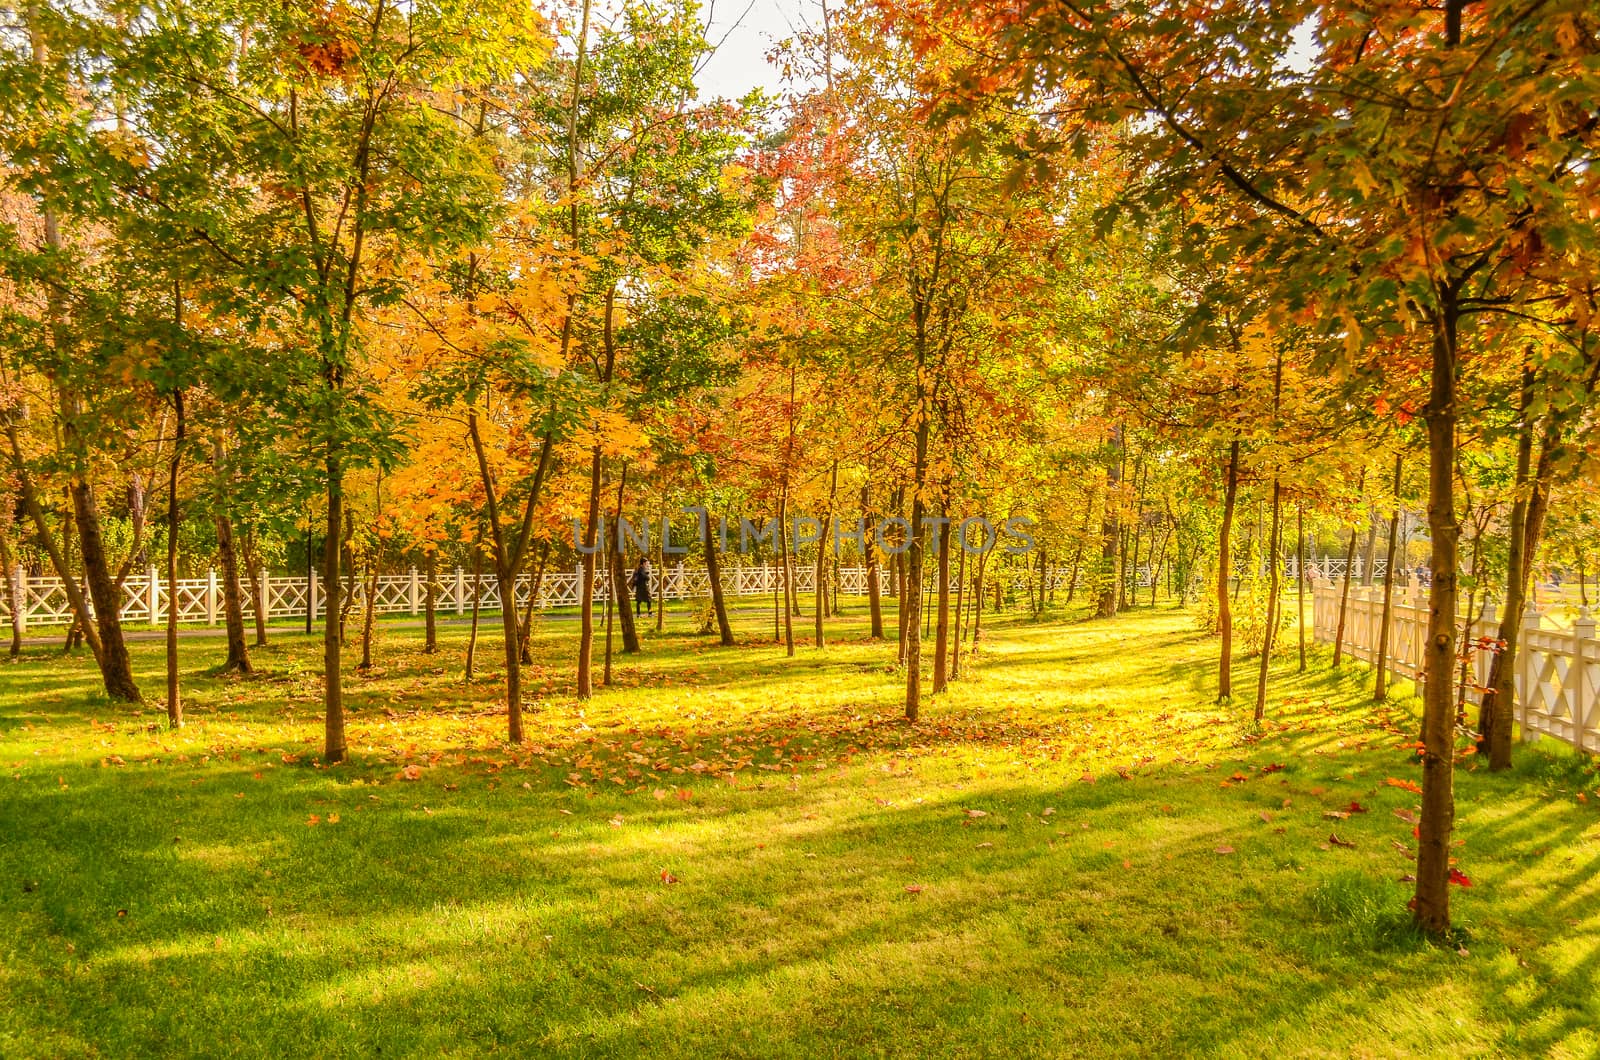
{"x":735,"y":852}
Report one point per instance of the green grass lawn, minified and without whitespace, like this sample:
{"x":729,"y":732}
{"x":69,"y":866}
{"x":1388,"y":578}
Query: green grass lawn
{"x":735,"y":853}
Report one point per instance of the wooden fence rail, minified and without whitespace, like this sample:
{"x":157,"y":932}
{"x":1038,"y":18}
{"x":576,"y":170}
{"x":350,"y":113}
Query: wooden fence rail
{"x":146,"y":597}
{"x":1558,"y":667}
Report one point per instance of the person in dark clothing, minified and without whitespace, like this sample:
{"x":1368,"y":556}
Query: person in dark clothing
{"x":640,"y":584}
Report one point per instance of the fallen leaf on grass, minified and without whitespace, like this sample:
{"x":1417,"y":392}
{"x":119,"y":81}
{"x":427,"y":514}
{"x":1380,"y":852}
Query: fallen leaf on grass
{"x":1224,"y":850}
{"x":1333,"y":837}
{"x":977,"y":813}
{"x":667,"y":877}
{"x":1406,"y":815}
{"x":1404,"y":785}
{"x":913,"y":888}
{"x":1460,"y":880}
{"x":411,"y":773}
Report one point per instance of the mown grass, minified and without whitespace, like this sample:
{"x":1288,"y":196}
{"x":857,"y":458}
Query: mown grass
{"x":735,"y":853}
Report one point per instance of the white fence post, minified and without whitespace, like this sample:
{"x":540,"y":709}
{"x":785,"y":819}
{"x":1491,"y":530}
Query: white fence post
{"x":416,"y":591}
{"x":22,"y":598}
{"x":311,"y":594}
{"x":152,"y":594}
{"x":1585,"y":714}
{"x":461,"y":592}
{"x":264,"y":598}
{"x":211,"y":597}
{"x":1529,"y":676}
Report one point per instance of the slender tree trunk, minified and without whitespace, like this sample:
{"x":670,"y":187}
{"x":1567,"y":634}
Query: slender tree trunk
{"x":611,"y":599}
{"x":525,"y":633}
{"x":1380,"y":681}
{"x":789,"y":593}
{"x":259,"y":605}
{"x":961,"y":586}
{"x":869,"y":550}
{"x":819,"y":603}
{"x":1224,"y":563}
{"x":430,"y":625}
{"x":618,"y":565}
{"x":58,"y":558}
{"x":941,"y":639}
{"x":661,"y":575}
{"x":347,"y":556}
{"x":978,"y":601}
{"x":1110,"y":530}
{"x":1431,"y":905}
{"x":369,"y":609}
{"x":1275,"y":562}
{"x":1369,"y":555}
{"x":1344,"y":588}
{"x":912,"y":601}
{"x":14,"y":601}
{"x":477,"y":600}
{"x":232,"y":599}
{"x":1497,"y":711}
{"x":1300,"y":576}
{"x":115,"y":666}
{"x":591,"y":529}
{"x":174,"y":692}
{"x":332,"y":633}
{"x":719,"y":604}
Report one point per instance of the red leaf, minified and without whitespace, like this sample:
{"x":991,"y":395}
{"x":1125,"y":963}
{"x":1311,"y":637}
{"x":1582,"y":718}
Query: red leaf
{"x":1460,"y":880}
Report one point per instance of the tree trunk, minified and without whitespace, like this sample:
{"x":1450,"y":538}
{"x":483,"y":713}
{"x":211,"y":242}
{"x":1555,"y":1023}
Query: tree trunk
{"x":941,"y":637}
{"x":1110,"y":530}
{"x":618,"y":566}
{"x":430,"y":625}
{"x":1380,"y":681}
{"x":961,"y":597}
{"x":611,"y":600}
{"x":525,"y":634}
{"x":1274,"y":562}
{"x":58,"y":559}
{"x":1224,"y":562}
{"x":1431,"y":904}
{"x":253,"y":570}
{"x":869,"y":552}
{"x":332,"y":640}
{"x":1300,"y":576}
{"x":232,"y":599}
{"x":116,"y":668}
{"x":1344,"y":588}
{"x":1370,"y":551}
{"x":14,"y":601}
{"x":477,"y":600}
{"x":719,"y":604}
{"x":1496,"y":712}
{"x":819,"y":602}
{"x":789,"y":594}
{"x":369,"y":609}
{"x":911,"y":604}
{"x":591,"y":530}
{"x":174,"y":692}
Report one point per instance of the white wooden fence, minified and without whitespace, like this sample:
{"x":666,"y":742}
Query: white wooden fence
{"x":146,"y":597}
{"x":1558,"y":667}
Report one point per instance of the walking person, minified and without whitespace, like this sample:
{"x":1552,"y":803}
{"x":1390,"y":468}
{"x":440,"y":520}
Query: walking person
{"x":640,"y":584}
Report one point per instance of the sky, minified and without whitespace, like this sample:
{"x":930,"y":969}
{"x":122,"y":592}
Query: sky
{"x":751,"y":27}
